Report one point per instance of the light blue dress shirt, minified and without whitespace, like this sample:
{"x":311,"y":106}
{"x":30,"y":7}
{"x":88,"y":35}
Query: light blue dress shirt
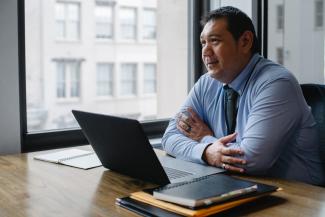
{"x":275,"y":127}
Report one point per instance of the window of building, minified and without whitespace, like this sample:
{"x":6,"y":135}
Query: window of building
{"x":279,"y":55}
{"x":68,"y":79}
{"x":104,"y":20}
{"x":67,"y":16}
{"x":298,"y":47}
{"x":149,"y":77}
{"x":319,"y":13}
{"x":49,"y":93}
{"x":128,"y":21}
{"x":105,"y":79}
{"x":128,"y":79}
{"x":149,"y":24}
{"x":279,"y":17}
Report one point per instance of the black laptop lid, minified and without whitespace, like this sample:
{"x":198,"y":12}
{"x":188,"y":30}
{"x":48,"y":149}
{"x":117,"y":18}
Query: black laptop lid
{"x":122,"y":146}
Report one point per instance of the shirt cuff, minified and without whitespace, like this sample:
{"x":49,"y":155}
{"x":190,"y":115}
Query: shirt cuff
{"x":208,"y":139}
{"x":198,"y":152}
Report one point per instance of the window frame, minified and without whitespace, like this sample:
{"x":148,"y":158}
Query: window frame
{"x":109,"y":82}
{"x":66,"y":22}
{"x":146,"y":26}
{"x":51,"y":139}
{"x":123,"y":24}
{"x":111,"y":24}
{"x":68,"y":68}
{"x":131,"y":81}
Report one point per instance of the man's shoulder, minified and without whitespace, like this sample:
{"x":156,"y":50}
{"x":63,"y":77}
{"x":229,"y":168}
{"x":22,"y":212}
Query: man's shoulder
{"x":268,"y":71}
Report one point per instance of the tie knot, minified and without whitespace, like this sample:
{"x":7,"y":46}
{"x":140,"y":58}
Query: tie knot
{"x":230,"y":93}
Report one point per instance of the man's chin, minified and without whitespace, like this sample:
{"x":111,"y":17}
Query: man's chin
{"x":214,"y":74}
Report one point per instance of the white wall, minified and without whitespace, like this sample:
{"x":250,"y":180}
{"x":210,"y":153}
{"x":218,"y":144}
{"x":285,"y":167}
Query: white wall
{"x":9,"y":89}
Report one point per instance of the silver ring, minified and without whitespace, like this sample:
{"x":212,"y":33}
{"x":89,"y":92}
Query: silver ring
{"x":223,"y":166}
{"x":189,"y":129}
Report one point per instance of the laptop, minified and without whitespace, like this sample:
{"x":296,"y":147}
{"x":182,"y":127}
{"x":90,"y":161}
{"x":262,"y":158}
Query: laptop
{"x":122,"y":146}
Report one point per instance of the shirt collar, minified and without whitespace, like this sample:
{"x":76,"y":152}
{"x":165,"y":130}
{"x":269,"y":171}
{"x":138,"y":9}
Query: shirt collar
{"x":238,"y":84}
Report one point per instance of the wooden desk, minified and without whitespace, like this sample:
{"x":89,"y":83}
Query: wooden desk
{"x":34,"y":188}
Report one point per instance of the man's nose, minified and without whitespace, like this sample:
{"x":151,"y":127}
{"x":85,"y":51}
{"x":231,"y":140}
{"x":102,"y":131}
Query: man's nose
{"x":206,"y":50}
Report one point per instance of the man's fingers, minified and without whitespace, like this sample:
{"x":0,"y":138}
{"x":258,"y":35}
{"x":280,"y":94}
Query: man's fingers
{"x":187,"y":119}
{"x":194,"y":115}
{"x":183,"y":125}
{"x":227,"y":139}
{"x":232,"y":160}
{"x":232,"y":151}
{"x":233,"y":168}
{"x":182,"y":130}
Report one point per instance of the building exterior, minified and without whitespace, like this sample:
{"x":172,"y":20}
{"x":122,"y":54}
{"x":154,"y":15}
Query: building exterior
{"x":98,"y":56}
{"x":297,"y":41}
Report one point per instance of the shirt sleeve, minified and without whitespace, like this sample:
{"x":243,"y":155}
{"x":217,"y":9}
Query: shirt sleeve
{"x":179,"y":145}
{"x":273,"y":119}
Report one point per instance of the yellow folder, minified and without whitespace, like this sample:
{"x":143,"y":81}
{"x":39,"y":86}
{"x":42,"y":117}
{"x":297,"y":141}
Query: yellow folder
{"x":149,"y":199}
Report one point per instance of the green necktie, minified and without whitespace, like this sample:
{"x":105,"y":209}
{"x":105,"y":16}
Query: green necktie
{"x":230,"y":97}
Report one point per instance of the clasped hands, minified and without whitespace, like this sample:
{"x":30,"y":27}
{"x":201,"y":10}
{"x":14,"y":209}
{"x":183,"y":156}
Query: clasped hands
{"x":216,"y":154}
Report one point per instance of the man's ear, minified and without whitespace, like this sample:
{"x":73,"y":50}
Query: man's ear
{"x":246,"y":41}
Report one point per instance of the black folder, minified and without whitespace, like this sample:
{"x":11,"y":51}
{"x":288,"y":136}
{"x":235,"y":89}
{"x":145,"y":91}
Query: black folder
{"x":149,"y":208}
{"x":143,"y":209}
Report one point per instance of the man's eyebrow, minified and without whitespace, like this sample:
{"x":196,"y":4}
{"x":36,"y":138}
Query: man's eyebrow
{"x":211,"y":36}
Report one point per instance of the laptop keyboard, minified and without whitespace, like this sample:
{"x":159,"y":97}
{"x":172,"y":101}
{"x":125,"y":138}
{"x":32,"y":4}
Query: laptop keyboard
{"x":175,"y":174}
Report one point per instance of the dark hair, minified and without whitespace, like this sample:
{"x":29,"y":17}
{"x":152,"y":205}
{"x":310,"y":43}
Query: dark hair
{"x":238,"y":22}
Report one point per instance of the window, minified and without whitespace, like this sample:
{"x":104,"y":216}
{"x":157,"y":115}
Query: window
{"x":104,"y":20}
{"x":128,"y":19}
{"x":279,"y":17}
{"x":149,"y":76}
{"x":298,"y":47}
{"x":149,"y":24}
{"x":68,"y":79}
{"x":279,"y":55}
{"x":67,"y":17}
{"x":319,"y":13}
{"x":105,"y":79}
{"x":111,"y":77}
{"x":128,"y":79}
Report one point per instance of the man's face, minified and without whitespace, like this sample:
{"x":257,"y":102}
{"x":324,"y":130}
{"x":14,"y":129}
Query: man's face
{"x":221,"y":53}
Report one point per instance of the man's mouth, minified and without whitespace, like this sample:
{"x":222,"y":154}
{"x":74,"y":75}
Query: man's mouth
{"x":211,"y":63}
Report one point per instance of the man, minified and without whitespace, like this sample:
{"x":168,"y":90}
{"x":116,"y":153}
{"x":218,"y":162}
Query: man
{"x":247,"y":114}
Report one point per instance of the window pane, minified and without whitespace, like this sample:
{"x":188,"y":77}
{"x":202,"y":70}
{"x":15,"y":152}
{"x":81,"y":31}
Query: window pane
{"x":73,"y":12}
{"x":244,"y":5}
{"x":61,"y":92}
{"x":74,"y":79}
{"x":128,"y":23}
{"x":149,"y":24}
{"x":67,"y":20}
{"x":104,"y":79}
{"x":111,"y":77}
{"x":280,"y":16}
{"x":300,"y":46}
{"x":319,"y":8}
{"x":149,"y":78}
{"x":104,"y":21}
{"x":128,"y":79}
{"x":68,"y":79}
{"x":59,"y":11}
